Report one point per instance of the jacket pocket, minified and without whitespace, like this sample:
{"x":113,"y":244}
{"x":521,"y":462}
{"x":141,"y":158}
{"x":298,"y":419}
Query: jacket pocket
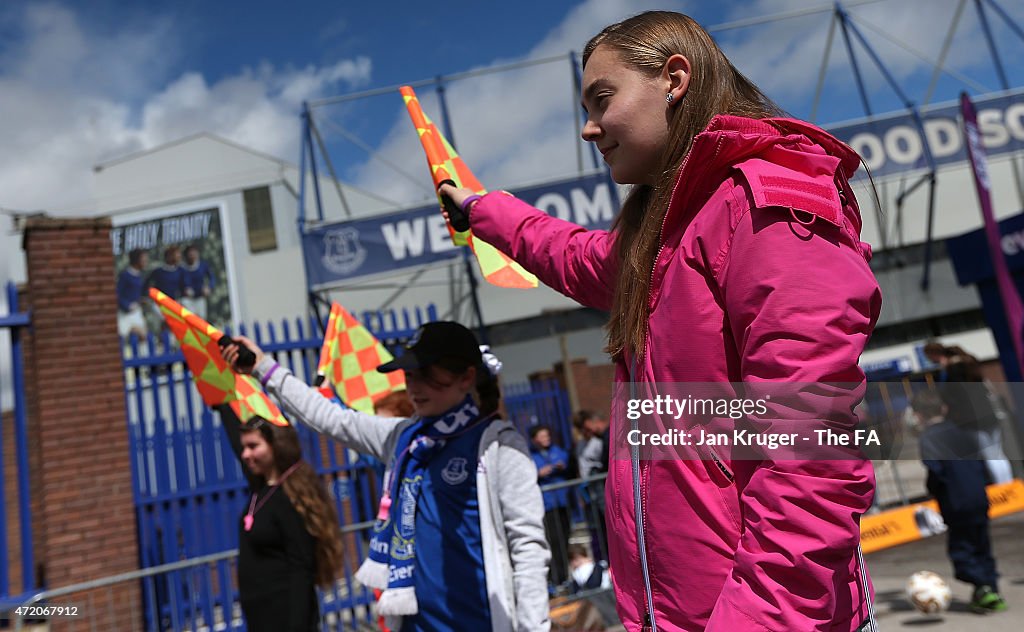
{"x":724,"y":480}
{"x":720,"y":473}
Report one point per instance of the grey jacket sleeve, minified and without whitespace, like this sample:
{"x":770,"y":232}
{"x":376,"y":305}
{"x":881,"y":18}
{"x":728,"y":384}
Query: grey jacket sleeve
{"x":364,"y":433}
{"x":522,"y":511}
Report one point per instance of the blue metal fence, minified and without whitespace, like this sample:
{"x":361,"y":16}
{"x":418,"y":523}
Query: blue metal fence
{"x":14,"y":321}
{"x":540,"y":402}
{"x":189,"y":488}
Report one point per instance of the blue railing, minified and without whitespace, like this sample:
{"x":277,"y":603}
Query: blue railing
{"x":540,"y":402}
{"x":14,"y":321}
{"x":189,"y":490}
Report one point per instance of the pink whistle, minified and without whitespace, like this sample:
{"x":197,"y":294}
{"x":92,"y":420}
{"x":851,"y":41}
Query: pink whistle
{"x":385,"y":507}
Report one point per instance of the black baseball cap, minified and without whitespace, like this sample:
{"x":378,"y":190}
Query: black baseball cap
{"x":434,"y":342}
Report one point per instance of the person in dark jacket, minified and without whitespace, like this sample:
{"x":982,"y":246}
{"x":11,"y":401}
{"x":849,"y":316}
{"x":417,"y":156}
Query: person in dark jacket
{"x":552,"y":463}
{"x":956,"y":479}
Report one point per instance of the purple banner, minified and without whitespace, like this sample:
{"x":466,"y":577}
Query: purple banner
{"x":979,"y":164}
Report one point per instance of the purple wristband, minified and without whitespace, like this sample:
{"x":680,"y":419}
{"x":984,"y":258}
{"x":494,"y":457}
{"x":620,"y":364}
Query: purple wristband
{"x":266,"y":376}
{"x":468,"y":202}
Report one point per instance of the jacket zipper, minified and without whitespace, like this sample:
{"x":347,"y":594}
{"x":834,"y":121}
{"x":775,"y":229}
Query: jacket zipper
{"x":664,"y":222}
{"x":640,"y":472}
{"x":639,"y":509}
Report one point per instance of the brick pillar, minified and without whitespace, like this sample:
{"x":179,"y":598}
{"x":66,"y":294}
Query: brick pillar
{"x":84,"y":523}
{"x":11,"y":510}
{"x":595,"y":385}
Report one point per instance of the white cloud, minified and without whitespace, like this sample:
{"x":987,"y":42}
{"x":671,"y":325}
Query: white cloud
{"x":517,"y":126}
{"x":784,"y":57}
{"x":511,"y":127}
{"x":74,"y":97}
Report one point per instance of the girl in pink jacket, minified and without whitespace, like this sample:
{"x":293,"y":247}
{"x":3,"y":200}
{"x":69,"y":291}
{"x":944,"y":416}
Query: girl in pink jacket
{"x":735,"y":258}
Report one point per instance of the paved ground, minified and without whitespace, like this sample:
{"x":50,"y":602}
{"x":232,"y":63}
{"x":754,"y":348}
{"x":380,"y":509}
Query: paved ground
{"x":890,"y":569}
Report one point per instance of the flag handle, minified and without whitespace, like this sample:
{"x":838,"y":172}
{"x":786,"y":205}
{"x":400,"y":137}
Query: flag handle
{"x":320,"y":377}
{"x":456,"y":216}
{"x":246,"y":358}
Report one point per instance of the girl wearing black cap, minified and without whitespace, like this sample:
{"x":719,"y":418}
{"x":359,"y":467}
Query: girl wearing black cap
{"x":459,"y":541}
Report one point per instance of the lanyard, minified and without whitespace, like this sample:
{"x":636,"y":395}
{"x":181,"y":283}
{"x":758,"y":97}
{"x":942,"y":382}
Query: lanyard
{"x":250,"y":516}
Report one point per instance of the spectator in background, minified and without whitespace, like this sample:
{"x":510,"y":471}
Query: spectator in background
{"x":593,"y":457}
{"x":552,"y":464}
{"x":130,"y":286}
{"x":197,"y":282}
{"x":586,"y":573}
{"x":590,"y":575}
{"x":956,"y":478}
{"x":288,"y":542}
{"x":590,"y":448}
{"x":973,"y":405}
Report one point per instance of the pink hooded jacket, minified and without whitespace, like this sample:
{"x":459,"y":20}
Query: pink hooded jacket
{"x":761,"y":277}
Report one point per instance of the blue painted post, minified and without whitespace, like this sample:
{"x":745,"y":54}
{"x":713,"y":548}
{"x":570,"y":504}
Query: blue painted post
{"x":28,"y":580}
{"x":925,"y":146}
{"x":841,"y":14}
{"x":577,"y":78}
{"x":613,"y":188}
{"x":302,"y":169}
{"x":5,"y":585}
{"x":993,"y":51}
{"x":308,"y":140}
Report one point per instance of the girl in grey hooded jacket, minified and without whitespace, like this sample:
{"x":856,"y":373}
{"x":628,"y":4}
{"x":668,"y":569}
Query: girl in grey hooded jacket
{"x":512,"y":545}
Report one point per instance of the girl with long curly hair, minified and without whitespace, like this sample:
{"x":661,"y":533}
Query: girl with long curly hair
{"x":289,"y":536}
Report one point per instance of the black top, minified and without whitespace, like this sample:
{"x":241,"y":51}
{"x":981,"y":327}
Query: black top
{"x":275,"y":558}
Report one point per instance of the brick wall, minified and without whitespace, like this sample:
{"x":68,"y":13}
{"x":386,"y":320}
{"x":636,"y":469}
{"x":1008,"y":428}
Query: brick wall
{"x":594,"y":384}
{"x":11,"y":513}
{"x":83,"y":523}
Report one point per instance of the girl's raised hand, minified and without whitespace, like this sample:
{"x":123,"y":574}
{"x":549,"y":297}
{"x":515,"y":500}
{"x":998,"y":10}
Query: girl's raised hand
{"x":457,"y":194}
{"x":230,"y":353}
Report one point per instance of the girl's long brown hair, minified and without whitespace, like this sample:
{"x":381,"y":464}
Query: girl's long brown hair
{"x":645,"y":42}
{"x":310,"y":499}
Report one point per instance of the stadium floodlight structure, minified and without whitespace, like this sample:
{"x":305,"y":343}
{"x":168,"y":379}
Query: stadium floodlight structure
{"x":860,"y":37}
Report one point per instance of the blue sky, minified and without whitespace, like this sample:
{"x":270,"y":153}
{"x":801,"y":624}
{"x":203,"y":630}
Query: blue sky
{"x":84,"y":82}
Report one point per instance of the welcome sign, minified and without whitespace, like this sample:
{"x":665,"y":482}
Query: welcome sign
{"x":340,"y":252}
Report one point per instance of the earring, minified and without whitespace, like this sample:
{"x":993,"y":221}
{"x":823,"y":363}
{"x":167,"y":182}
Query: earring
{"x":669,"y":98}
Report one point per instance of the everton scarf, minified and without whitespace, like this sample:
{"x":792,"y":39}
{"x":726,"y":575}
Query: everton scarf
{"x":392,"y":560}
